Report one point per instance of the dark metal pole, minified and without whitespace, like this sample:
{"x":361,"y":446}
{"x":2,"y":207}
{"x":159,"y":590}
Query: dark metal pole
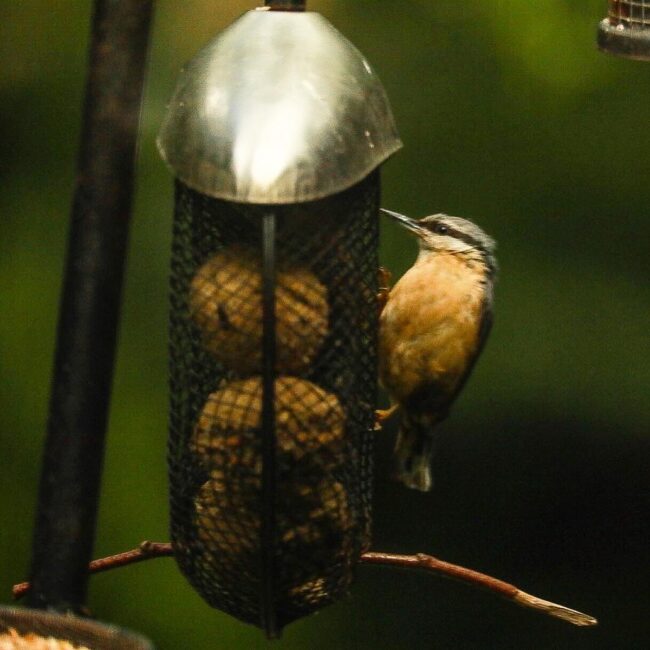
{"x":90,"y":305}
{"x":286,"y":5}
{"x":269,"y":462}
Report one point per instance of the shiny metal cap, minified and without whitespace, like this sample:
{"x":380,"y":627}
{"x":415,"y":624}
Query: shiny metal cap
{"x":279,"y":108}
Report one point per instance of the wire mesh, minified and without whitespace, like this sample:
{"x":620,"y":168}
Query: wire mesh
{"x":325,"y":393}
{"x":634,"y":14}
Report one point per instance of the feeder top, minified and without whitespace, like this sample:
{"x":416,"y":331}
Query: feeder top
{"x":279,"y":108}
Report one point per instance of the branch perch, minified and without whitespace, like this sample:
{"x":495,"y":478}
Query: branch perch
{"x":151,"y":550}
{"x":480,"y":580}
{"x":146,"y":551}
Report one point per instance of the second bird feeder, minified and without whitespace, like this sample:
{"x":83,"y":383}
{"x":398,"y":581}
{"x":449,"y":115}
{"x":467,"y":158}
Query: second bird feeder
{"x":275,"y":134}
{"x":626,"y":29}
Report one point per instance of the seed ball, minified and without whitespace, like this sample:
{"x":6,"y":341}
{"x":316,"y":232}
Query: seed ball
{"x":333,"y":505}
{"x":316,"y":514}
{"x":311,"y":591}
{"x":313,"y":526}
{"x":228,"y":519}
{"x":316,"y":540}
{"x":309,"y":422}
{"x":225,"y":302}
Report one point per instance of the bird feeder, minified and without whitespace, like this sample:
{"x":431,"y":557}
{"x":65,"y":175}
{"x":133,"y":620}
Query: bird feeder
{"x":626,"y":30}
{"x":29,"y":628}
{"x":274,"y":135}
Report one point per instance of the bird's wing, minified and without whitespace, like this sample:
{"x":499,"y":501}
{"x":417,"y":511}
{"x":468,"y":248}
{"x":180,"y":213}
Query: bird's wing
{"x":485,"y":326}
{"x":431,"y":398}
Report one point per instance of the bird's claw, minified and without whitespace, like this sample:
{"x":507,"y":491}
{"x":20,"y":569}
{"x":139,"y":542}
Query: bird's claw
{"x":381,"y":415}
{"x":384,"y":287}
{"x":385,"y":276}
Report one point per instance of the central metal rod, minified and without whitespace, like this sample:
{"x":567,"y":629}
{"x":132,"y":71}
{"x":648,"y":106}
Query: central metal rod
{"x":90,"y":305}
{"x":269,"y":463}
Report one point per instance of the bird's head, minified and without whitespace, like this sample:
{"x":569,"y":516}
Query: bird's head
{"x":441,"y":233}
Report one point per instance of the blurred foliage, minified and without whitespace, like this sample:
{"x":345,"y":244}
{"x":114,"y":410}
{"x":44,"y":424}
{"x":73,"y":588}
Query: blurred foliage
{"x":510,"y":116}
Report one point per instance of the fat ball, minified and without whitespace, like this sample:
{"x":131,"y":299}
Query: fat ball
{"x":225,"y":302}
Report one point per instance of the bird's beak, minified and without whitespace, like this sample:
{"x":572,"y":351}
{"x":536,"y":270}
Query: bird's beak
{"x":407,"y":222}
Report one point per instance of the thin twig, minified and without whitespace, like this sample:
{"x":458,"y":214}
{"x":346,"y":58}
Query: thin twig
{"x":476,"y":579}
{"x":146,"y":551}
{"x":150,"y":550}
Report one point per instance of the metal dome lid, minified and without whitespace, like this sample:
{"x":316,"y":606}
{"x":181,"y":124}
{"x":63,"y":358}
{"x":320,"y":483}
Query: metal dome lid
{"x":278,"y":108}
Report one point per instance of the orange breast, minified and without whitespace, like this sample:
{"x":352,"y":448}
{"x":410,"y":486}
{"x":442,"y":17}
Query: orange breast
{"x":429,"y":327}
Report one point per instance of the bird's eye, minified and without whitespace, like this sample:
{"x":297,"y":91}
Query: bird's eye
{"x":440,"y":229}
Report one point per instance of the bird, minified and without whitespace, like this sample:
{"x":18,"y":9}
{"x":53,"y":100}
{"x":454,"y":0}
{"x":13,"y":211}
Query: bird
{"x":432,"y":329}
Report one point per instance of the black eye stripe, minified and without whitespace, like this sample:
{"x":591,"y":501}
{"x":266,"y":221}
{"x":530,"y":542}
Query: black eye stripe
{"x":455,"y":234}
{"x":468,"y":239}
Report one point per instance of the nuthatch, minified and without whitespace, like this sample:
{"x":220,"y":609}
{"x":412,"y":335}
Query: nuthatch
{"x":432,"y":329}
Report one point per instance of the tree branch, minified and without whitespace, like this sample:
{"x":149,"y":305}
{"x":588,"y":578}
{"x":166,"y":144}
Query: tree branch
{"x":480,"y":580}
{"x":150,"y":550}
{"x":146,"y":551}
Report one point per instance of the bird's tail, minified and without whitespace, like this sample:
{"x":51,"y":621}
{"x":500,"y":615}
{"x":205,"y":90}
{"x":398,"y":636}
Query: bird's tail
{"x":413,"y":452}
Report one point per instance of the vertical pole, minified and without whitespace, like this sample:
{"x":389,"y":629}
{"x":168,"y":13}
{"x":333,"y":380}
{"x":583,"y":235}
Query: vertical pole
{"x":90,"y":304}
{"x":286,"y":5}
{"x":269,"y":465}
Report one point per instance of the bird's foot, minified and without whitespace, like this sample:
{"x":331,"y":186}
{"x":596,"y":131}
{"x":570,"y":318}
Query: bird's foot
{"x":381,"y":415}
{"x":384,"y":287}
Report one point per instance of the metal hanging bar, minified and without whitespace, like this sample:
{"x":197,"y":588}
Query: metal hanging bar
{"x":269,"y":462}
{"x":90,"y":305}
{"x":286,"y":5}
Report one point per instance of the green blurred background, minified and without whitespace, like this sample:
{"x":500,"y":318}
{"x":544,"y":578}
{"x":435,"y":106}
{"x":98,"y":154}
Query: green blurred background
{"x":509,"y":116}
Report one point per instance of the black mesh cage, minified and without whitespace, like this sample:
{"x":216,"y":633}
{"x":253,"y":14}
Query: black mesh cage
{"x":271,"y":540}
